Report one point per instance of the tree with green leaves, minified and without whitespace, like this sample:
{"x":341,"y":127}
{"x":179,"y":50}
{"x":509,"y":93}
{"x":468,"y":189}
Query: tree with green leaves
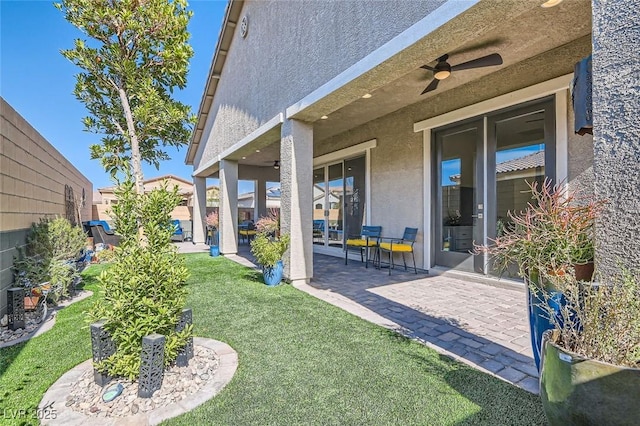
{"x":138,"y":53}
{"x":136,"y":56}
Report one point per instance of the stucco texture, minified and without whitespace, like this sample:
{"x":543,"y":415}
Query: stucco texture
{"x":282,"y":60}
{"x":616,"y":123}
{"x":397,"y":161}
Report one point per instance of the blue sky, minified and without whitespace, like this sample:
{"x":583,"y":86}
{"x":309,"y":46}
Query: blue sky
{"x":37,"y":81}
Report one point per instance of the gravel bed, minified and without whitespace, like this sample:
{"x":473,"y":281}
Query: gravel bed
{"x":178,"y":384}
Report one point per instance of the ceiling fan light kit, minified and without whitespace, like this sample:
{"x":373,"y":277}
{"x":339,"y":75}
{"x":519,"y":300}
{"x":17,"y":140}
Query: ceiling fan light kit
{"x":443,"y":69}
{"x":276,"y":164}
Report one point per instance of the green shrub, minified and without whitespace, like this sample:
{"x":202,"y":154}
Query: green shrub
{"x":268,"y":250}
{"x":55,"y":239}
{"x":106,"y":255}
{"x":144,"y":289}
{"x":600,"y":320}
{"x":51,"y":243}
{"x":61,"y":277}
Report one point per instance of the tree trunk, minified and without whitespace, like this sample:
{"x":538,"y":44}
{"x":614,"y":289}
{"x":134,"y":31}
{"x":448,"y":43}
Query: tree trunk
{"x":136,"y":162}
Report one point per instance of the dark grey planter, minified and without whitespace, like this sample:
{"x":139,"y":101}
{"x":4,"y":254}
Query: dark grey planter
{"x":580,"y":391}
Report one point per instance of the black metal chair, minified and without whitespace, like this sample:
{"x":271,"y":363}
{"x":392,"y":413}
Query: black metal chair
{"x":400,"y":245}
{"x":368,"y":239}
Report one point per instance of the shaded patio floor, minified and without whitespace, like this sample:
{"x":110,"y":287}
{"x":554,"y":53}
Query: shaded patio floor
{"x":482,"y":324}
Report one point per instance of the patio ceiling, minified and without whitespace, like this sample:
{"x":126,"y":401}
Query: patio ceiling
{"x":526,"y":35}
{"x":557,"y":35}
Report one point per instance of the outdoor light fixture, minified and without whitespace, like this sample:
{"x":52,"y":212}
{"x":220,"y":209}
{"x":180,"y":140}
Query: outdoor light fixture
{"x":366,"y":96}
{"x":244,"y":158}
{"x":442,"y":70}
{"x":550,"y":3}
{"x":257,"y":150}
{"x":324,"y":117}
{"x":276,"y":164}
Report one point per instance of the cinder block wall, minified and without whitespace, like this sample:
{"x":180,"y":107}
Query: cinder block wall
{"x":33,"y":175}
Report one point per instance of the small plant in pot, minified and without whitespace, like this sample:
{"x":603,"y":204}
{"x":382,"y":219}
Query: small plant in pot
{"x":268,"y":251}
{"x":551,"y":239}
{"x":591,"y":360}
{"x":212,"y":220}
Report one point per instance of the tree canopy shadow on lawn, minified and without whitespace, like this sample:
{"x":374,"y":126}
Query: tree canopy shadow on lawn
{"x":304,"y":361}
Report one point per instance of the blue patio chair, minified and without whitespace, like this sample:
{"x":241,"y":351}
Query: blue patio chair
{"x":368,"y":239}
{"x":178,"y":233}
{"x":318,"y":228}
{"x":400,"y":245}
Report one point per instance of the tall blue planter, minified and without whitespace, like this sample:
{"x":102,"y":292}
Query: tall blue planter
{"x":214,"y":251}
{"x":273,"y":276}
{"x":539,"y":319}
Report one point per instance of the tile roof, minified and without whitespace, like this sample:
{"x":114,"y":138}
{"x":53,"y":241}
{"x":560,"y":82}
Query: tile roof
{"x":521,"y":163}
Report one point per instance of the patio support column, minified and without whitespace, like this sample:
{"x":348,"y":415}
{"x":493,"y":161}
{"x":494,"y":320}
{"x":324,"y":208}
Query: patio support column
{"x":261,"y":198}
{"x":296,"y":201}
{"x":616,"y":131}
{"x":199,"y":209}
{"x":228,"y":215}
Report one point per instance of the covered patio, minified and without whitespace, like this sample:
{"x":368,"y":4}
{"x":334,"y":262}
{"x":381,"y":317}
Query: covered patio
{"x":479,"y":321}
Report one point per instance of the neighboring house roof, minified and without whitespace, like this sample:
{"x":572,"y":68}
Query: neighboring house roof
{"x":530,"y":161}
{"x":97,"y":197}
{"x":522,"y":163}
{"x":273,"y":192}
{"x":176,"y":179}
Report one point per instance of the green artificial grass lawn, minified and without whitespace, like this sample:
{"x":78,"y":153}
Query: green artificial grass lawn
{"x":28,"y":369}
{"x":301,"y":361}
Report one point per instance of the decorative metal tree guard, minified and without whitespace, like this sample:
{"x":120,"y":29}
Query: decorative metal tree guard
{"x":186,"y":353}
{"x":151,"y":365}
{"x":102,"y":347}
{"x":15,"y":308}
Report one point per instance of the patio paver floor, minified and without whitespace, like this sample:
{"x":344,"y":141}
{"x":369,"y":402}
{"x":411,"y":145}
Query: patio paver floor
{"x":482,"y":325}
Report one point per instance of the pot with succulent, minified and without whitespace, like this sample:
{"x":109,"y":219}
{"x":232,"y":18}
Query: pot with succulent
{"x":591,"y":360}
{"x":550,"y":240}
{"x":268,"y":247}
{"x":212,"y":233}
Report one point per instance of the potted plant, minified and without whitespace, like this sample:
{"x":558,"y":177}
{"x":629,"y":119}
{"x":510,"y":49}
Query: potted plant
{"x":212,"y":233}
{"x":552,"y":238}
{"x":268,"y":251}
{"x":269,"y":224}
{"x":591,"y":360}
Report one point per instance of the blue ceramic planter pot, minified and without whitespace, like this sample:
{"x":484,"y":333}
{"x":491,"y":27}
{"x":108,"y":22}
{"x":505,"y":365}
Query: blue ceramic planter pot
{"x":273,"y":276}
{"x":539,"y":320}
{"x":214,"y":251}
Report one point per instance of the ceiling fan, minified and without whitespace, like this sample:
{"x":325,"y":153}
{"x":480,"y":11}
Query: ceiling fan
{"x":443,"y":70}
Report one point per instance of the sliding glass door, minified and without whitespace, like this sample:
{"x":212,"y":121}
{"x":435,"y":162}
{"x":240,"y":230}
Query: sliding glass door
{"x":338,"y":201}
{"x":482,"y":171}
{"x":460,"y":209}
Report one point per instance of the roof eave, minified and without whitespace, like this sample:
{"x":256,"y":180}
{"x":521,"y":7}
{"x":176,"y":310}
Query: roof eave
{"x":232,"y":13}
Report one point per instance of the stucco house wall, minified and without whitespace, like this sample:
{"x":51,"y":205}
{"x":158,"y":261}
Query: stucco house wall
{"x":33,"y":175}
{"x":397,"y":161}
{"x":283,"y":62}
{"x":272,"y":75}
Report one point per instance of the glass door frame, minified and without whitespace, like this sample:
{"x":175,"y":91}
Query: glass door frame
{"x":326,"y":247}
{"x":485,"y":174}
{"x":452,"y":259}
{"x":546,"y":104}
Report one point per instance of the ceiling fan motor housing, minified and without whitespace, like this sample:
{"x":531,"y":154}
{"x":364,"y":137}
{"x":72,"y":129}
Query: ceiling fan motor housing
{"x":442,"y":70}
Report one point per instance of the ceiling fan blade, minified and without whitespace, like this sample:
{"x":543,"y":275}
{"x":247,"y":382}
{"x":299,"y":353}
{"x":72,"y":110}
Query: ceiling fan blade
{"x":485,"y":61}
{"x":427,"y":67}
{"x":432,"y":86}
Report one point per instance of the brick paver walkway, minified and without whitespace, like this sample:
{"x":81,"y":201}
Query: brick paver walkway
{"x":483,"y":325}
{"x":480,"y":324}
